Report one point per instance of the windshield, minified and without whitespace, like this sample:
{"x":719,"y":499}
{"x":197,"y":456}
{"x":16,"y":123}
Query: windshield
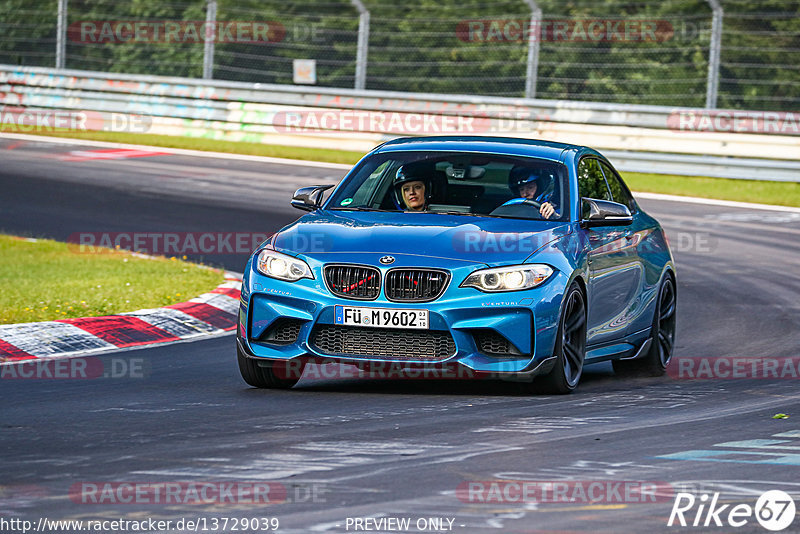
{"x":459,"y":183}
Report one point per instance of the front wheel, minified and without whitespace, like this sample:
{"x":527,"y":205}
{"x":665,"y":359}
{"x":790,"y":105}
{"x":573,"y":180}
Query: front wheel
{"x":275,"y":375}
{"x":655,"y":361}
{"x":570,"y":348}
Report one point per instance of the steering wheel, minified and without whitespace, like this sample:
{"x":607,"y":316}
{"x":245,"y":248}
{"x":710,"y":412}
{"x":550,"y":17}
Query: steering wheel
{"x":509,"y":206}
{"x":527,"y":201}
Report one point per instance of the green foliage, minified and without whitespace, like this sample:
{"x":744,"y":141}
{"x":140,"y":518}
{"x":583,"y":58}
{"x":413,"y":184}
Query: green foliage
{"x":758,"y":191}
{"x":591,"y":183}
{"x":426,"y":46}
{"x":761,"y":55}
{"x":28,"y":32}
{"x":326,"y":31}
{"x":135,"y":56}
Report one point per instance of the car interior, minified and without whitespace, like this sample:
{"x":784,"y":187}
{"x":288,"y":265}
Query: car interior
{"x":460,"y":184}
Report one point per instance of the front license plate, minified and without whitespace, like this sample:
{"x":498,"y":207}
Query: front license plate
{"x":381,"y":317}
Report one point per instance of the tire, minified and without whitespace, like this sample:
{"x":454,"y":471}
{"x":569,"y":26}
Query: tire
{"x":570,"y":347}
{"x":278,"y":375}
{"x":655,"y":361}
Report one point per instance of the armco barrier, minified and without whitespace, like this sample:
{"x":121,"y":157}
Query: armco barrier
{"x":641,"y":137}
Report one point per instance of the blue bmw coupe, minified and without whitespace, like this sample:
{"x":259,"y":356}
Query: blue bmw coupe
{"x":507,"y":258}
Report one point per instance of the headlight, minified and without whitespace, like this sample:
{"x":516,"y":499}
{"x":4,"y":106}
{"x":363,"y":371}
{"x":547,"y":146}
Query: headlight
{"x":283,"y":267}
{"x":513,"y":278}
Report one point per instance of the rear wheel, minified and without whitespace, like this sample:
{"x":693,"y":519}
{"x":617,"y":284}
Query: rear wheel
{"x":263,"y":374}
{"x":570,"y":348}
{"x":655,"y":361}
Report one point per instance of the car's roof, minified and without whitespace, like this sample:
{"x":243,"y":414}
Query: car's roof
{"x":467,"y":143}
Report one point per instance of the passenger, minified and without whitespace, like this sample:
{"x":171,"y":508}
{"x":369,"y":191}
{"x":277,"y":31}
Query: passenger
{"x":533,"y":184}
{"x":413,"y":190}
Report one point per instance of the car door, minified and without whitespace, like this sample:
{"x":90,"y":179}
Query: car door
{"x":637,"y":237}
{"x":613,"y":270}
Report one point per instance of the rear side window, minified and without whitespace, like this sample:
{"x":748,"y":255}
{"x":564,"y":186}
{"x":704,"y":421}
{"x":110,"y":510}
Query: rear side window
{"x":591,"y":183}
{"x":619,"y":192}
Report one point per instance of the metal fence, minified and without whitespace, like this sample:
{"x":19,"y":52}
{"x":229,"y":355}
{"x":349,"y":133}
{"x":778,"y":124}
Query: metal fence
{"x":731,"y":54}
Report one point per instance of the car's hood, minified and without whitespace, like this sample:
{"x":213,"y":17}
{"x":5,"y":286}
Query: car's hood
{"x":493,"y":241}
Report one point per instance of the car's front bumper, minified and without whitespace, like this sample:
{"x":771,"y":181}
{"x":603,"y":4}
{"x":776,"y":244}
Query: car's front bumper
{"x":464,"y":317}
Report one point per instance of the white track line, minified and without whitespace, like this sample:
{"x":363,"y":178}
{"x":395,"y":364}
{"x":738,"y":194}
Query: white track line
{"x":177,"y":151}
{"x":715,"y":202}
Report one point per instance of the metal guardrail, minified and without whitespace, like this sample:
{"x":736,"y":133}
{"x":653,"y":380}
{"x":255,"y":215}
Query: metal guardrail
{"x":715,"y":166}
{"x":638,"y":138}
{"x":153,"y":89}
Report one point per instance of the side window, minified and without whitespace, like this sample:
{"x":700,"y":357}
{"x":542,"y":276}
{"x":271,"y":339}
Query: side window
{"x":591,"y":183}
{"x":619,"y":193}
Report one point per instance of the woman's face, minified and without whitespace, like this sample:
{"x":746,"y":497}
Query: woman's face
{"x":414,"y":195}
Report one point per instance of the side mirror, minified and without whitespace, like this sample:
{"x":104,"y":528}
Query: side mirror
{"x":309,"y":198}
{"x":604,"y":213}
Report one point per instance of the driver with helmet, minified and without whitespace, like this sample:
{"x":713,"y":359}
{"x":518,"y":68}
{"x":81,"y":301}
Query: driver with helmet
{"x":533,"y":185}
{"x":411,"y":189}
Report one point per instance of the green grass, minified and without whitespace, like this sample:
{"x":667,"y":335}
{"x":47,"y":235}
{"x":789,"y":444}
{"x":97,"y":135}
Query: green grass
{"x":46,"y":280}
{"x":759,"y":191}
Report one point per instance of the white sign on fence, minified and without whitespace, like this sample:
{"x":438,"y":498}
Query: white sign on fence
{"x":305,"y":71}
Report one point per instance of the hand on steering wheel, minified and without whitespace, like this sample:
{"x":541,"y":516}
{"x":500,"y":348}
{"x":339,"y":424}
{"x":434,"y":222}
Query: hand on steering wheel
{"x":545,"y":209}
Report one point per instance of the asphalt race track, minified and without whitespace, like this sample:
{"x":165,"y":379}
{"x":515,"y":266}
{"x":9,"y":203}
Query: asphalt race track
{"x":337,"y":450}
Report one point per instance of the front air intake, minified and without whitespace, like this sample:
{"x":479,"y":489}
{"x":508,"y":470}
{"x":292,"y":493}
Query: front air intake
{"x":383,"y":343}
{"x":353,"y":281}
{"x":415,"y":285}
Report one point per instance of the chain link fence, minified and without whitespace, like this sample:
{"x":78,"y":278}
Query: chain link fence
{"x":28,"y":32}
{"x":615,"y":51}
{"x":326,"y":32}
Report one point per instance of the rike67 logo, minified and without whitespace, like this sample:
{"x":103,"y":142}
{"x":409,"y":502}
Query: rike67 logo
{"x":774,"y":510}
